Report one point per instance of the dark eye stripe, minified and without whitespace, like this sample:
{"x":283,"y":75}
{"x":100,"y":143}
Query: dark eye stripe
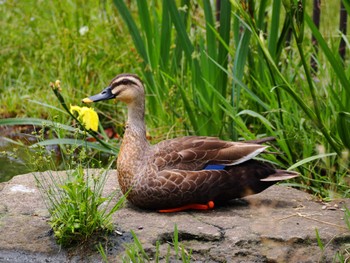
{"x":124,"y":82}
{"x":125,"y":79}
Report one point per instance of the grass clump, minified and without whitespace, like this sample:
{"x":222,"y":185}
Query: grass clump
{"x":78,"y":210}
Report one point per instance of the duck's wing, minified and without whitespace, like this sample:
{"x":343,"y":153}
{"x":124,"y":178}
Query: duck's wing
{"x":196,"y":152}
{"x":176,"y":188}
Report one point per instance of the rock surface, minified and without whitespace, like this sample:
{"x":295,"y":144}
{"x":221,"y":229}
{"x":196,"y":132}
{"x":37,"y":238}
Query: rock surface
{"x":277,"y":225}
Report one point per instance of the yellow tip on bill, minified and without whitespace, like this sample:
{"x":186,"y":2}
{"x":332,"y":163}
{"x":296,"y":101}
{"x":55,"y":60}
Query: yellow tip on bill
{"x":87,"y":100}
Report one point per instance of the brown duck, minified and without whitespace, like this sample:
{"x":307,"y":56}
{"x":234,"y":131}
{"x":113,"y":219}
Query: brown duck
{"x":187,"y":172}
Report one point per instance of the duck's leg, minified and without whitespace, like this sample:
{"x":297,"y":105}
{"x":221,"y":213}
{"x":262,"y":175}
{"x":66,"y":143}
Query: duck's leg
{"x":208,"y":206}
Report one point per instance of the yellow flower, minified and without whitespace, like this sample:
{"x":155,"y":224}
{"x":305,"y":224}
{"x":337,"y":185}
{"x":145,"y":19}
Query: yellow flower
{"x":87,"y":116}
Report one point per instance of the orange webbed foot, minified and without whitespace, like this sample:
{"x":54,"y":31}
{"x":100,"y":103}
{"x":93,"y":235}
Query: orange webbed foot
{"x":208,"y":206}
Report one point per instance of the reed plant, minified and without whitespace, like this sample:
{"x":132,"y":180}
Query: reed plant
{"x":245,"y":73}
{"x":182,"y":65}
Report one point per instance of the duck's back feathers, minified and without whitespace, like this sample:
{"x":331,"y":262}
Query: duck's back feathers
{"x":196,"y":152}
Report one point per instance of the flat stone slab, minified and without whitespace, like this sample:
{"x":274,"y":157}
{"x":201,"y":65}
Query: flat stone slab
{"x":278,"y":225}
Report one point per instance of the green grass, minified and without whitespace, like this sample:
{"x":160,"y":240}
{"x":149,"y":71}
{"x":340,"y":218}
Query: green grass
{"x":342,"y":255}
{"x":235,"y":81}
{"x":42,"y":43}
{"x":176,"y":251}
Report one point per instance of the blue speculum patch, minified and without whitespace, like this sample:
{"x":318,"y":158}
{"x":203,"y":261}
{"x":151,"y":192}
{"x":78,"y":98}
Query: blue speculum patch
{"x":214,"y":167}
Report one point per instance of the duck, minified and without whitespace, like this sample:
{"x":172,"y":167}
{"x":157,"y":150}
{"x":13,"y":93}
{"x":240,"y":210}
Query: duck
{"x":190,"y":172}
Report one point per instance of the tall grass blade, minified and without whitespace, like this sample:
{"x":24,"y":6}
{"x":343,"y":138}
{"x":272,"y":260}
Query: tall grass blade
{"x":35,"y":122}
{"x":310,"y":159}
{"x":273,"y":33}
{"x":146,"y":26}
{"x":265,"y":121}
{"x":210,"y":40}
{"x":319,"y":241}
{"x":48,"y":106}
{"x":141,"y":48}
{"x":165,"y":37}
{"x":176,"y":242}
{"x":139,"y":246}
{"x":333,"y":60}
{"x":224,"y":32}
{"x":135,"y":34}
{"x":239,"y":63}
{"x":346,"y":5}
{"x":343,"y":125}
{"x":186,"y":44}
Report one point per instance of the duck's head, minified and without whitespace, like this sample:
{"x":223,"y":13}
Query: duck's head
{"x":127,"y":88}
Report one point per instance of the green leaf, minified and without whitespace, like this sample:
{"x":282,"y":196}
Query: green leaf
{"x":165,"y":35}
{"x":275,"y":22}
{"x":180,"y":29}
{"x":343,"y":125}
{"x":139,"y":246}
{"x":76,"y":142}
{"x":35,"y":122}
{"x":265,"y":121}
{"x":310,"y":159}
{"x":333,"y":60}
{"x":224,"y":31}
{"x":346,"y":5}
{"x":319,"y":241}
{"x":48,"y":106}
{"x":135,"y":34}
{"x":146,"y":25}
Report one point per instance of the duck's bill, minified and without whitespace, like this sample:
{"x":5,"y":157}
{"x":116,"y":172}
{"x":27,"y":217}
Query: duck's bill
{"x":106,"y":94}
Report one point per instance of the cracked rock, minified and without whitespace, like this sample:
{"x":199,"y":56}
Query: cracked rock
{"x":278,"y":225}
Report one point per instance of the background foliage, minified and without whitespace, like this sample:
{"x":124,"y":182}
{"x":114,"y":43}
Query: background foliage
{"x":239,"y":75}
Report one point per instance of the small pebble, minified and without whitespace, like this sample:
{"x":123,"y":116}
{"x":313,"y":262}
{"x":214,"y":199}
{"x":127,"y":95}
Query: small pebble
{"x":140,"y":228}
{"x":324,"y":207}
{"x":118,"y":232}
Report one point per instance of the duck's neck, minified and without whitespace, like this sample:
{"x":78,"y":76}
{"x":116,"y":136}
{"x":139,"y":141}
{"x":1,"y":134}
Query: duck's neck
{"x":134,"y":140}
{"x":134,"y":147}
{"x":135,"y":125}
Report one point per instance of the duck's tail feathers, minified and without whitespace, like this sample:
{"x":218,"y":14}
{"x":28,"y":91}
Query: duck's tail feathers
{"x":280,"y":175}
